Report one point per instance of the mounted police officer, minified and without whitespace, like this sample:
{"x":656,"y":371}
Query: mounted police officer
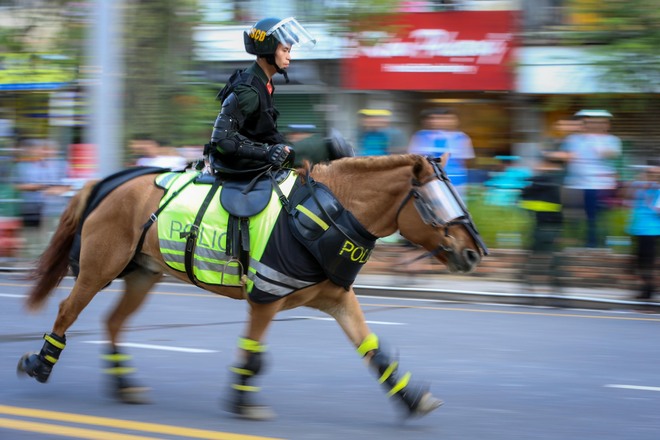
{"x":245,"y":137}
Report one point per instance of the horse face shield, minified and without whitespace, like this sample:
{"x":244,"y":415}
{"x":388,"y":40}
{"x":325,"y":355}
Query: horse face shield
{"x":439,"y":205}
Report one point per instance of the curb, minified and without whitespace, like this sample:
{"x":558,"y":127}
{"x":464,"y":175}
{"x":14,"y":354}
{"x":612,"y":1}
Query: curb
{"x":539,"y":300}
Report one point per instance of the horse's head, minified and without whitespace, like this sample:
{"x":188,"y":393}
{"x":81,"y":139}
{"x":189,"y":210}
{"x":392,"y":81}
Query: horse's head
{"x":433,"y":216}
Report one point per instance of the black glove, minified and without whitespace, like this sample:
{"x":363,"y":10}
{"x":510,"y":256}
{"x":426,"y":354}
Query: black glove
{"x":278,"y":154}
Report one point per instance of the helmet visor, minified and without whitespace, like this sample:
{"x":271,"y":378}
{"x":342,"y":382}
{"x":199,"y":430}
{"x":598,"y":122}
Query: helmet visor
{"x":290,"y":32}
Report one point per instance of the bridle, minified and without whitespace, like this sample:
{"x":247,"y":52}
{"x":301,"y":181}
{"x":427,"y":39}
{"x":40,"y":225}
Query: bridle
{"x":440,"y":206}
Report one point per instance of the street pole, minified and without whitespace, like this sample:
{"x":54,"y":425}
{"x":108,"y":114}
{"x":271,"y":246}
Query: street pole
{"x":106,"y":85}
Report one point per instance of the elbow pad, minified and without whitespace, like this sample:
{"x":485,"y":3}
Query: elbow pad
{"x":225,"y":129}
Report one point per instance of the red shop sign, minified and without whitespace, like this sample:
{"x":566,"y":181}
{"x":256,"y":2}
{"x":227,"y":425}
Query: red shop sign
{"x":457,"y":50}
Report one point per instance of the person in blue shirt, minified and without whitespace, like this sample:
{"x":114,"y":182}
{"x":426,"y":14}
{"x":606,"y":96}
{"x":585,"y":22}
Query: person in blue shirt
{"x":439,"y":135}
{"x":376,"y":136}
{"x":644,"y":226}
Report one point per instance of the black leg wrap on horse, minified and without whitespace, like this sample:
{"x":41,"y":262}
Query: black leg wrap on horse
{"x":386,"y":367}
{"x":243,"y":390}
{"x":244,"y":374}
{"x":121,"y":384}
{"x":40,"y":365}
{"x":117,"y":367}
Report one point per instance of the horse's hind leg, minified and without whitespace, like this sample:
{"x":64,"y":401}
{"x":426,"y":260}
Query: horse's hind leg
{"x":39,"y":365}
{"x":250,"y":363}
{"x":122,"y":385}
{"x":415,"y":397}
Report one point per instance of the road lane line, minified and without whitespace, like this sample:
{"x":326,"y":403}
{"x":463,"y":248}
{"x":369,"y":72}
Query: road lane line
{"x":67,"y":431}
{"x":9,"y":295}
{"x":324,"y":318}
{"x":107,"y":422}
{"x":156,"y":347}
{"x":633,"y":387}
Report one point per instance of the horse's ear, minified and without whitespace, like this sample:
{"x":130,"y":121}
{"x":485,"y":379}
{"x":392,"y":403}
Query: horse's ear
{"x":444,"y":159}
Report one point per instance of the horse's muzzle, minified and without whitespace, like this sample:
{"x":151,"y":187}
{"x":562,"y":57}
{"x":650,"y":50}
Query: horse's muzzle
{"x":472,"y":258}
{"x":464,"y":262}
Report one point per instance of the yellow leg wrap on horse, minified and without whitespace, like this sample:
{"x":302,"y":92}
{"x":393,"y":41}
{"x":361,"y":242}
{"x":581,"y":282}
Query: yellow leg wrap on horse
{"x":370,"y":343}
{"x":248,"y":388}
{"x":401,"y":384}
{"x":116,"y":357}
{"x":250,"y":345}
{"x":55,"y":342}
{"x":388,"y":372}
{"x":51,"y":359}
{"x":241,"y":371}
{"x":119,"y":371}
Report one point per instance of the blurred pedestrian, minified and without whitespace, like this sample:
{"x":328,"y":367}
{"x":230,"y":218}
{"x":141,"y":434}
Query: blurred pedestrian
{"x":245,"y":135}
{"x":440,"y":134}
{"x":377,"y":136}
{"x":150,"y":153}
{"x":561,"y":130}
{"x":590,"y":169}
{"x":542,"y":198}
{"x":39,"y":176}
{"x":644,"y":227}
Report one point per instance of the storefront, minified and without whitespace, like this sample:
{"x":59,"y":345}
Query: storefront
{"x":462,"y":60}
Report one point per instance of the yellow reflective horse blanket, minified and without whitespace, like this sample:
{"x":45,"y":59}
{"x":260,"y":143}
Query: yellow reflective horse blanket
{"x":211,"y":264}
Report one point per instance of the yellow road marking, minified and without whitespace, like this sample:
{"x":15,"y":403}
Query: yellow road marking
{"x":67,"y":431}
{"x":509,"y":312}
{"x":119,"y":424}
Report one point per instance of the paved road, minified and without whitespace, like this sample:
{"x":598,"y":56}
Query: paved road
{"x":505,"y":372}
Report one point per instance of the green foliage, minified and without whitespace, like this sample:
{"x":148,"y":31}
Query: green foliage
{"x":157,"y":49}
{"x":625,"y":36}
{"x":510,"y":227}
{"x":195,"y":109}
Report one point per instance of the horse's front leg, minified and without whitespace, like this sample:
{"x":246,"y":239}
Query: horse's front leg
{"x":416,"y":397}
{"x":250,"y":363}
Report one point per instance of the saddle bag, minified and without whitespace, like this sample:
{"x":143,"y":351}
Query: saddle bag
{"x":338,"y":242}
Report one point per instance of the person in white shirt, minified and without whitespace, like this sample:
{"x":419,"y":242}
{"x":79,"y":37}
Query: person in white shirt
{"x":590,"y":169}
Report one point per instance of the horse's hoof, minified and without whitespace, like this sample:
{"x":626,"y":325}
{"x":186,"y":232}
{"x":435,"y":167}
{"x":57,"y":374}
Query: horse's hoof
{"x":21,"y":368}
{"x":133,"y":395}
{"x":31,"y":365}
{"x":253,"y":412}
{"x":426,"y":404}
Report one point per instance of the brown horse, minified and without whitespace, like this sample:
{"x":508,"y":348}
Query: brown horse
{"x":408,"y":193}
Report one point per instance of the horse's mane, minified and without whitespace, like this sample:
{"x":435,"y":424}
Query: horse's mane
{"x":361,"y":165}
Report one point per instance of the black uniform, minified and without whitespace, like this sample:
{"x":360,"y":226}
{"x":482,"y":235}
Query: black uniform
{"x":245,"y":135}
{"x":543,"y":197}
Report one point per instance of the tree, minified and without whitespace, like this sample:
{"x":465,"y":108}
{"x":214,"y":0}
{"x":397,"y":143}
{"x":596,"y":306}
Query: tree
{"x":624,"y":35}
{"x":158,"y":51}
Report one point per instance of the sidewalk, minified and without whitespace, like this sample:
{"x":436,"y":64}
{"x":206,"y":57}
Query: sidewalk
{"x":472,"y":289}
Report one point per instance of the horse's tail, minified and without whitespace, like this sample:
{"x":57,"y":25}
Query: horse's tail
{"x":53,"y":264}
